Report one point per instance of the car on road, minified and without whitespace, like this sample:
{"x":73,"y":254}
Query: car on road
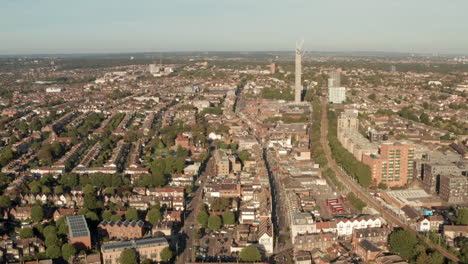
{"x":192,"y":226}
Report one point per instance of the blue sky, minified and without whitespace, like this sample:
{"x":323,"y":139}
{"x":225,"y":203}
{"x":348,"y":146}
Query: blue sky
{"x":70,"y":26}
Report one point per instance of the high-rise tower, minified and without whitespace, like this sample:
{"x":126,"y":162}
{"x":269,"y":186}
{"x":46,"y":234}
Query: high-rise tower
{"x":298,"y":81}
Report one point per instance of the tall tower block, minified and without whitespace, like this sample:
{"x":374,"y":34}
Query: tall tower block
{"x":298,"y":80}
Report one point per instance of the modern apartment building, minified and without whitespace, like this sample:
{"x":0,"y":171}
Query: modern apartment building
{"x":336,"y":95}
{"x":454,"y":188}
{"x":222,"y":163}
{"x":348,"y":121}
{"x":393,"y":165}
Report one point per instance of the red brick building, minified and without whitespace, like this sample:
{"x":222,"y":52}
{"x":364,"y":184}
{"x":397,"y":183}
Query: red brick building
{"x":78,"y":232}
{"x":121,"y":229}
{"x":393,"y":166}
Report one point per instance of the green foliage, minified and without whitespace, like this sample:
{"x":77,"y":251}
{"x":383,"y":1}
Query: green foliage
{"x":250,"y":254}
{"x":229,"y":218}
{"x":402,"y":243}
{"x":214,"y":222}
{"x":410,"y":114}
{"x":118,"y":94}
{"x":286,"y":94}
{"x":5,"y":201}
{"x":68,"y":250}
{"x":168,"y":165}
{"x":26,"y":232}
{"x":49,"y":230}
{"x":90,"y":201}
{"x":50,"y":152}
{"x":356,"y":202}
{"x":53,"y":252}
{"x":92,"y":216}
{"x":211,"y":110}
{"x":462,"y":216}
{"x":132,"y":214}
{"x":62,"y":228}
{"x":382,"y":186}
{"x":106,"y":215}
{"x":6,"y":156}
{"x":202,"y":216}
{"x":154,"y":214}
{"x":128,"y":256}
{"x":372,"y":96}
{"x":69,"y":179}
{"x":37,"y":213}
{"x":244,"y":155}
{"x":350,"y":164}
{"x":220,"y":204}
{"x":166,"y":254}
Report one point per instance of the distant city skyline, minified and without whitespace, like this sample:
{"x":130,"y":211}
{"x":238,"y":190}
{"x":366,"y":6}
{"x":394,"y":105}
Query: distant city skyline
{"x":53,"y":26}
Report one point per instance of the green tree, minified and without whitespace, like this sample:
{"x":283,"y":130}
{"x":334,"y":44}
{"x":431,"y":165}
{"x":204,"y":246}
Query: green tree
{"x":58,"y":189}
{"x":214,"y":222}
{"x":53,"y":252}
{"x":128,"y":256}
{"x":49,"y":230}
{"x":250,"y":254}
{"x":372,"y":96}
{"x":220,"y":204}
{"x":37,"y":213}
{"x":88,"y":189}
{"x":202,"y":218}
{"x":229,"y":218}
{"x":26,"y":232}
{"x":62,"y":228}
{"x":154,"y":215}
{"x":402,"y":243}
{"x":5,"y":201}
{"x":166,"y":254}
{"x":106,"y":215}
{"x":68,"y":250}
{"x":462,"y":216}
{"x":52,"y":240}
{"x":92,"y":216}
{"x":203,"y":215}
{"x":147,"y":261}
{"x":90,"y":201}
{"x":243,"y":155}
{"x":424,"y":118}
{"x":131,"y":214}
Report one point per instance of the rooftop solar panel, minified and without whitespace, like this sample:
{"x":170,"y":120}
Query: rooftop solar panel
{"x":77,"y":226}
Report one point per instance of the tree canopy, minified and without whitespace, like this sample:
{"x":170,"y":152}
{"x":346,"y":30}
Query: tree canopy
{"x":214,"y":222}
{"x":462,"y":216}
{"x":250,"y":254}
{"x":166,"y":254}
{"x":228,"y":218}
{"x":37,"y":213}
{"x":402,"y":243}
{"x":128,"y":256}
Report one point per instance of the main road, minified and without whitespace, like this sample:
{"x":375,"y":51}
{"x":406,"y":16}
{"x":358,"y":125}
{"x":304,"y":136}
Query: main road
{"x":190,"y":224}
{"x":354,"y":187}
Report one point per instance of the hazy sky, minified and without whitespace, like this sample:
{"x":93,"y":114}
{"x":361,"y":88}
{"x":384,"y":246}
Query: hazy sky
{"x":68,"y":26}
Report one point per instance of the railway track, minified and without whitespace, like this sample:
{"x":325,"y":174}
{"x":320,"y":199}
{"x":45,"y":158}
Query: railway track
{"x":354,"y":187}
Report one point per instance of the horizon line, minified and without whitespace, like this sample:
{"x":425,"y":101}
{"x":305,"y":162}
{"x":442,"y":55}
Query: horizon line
{"x":434,"y":54}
